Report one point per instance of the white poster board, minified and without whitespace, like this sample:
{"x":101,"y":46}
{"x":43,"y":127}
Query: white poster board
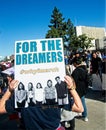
{"x":37,"y":63}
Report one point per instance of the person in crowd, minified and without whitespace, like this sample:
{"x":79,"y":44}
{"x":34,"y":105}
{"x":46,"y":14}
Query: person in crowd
{"x":104,"y":79}
{"x":66,"y":59}
{"x":77,"y":54}
{"x":70,"y":124}
{"x":85,"y":58}
{"x":37,"y":118}
{"x":61,"y":89}
{"x":103,"y":55}
{"x":31,"y":94}
{"x":1,"y":85}
{"x":80,"y":77}
{"x":96,"y":64}
{"x":70,"y":59}
{"x":88,"y":60}
{"x":99,"y":54}
{"x":21,"y":95}
{"x":96,"y":72}
{"x":70,"y":66}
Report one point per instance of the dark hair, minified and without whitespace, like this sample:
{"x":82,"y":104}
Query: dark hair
{"x":57,"y":77}
{"x":77,"y":60}
{"x":31,"y":88}
{"x":49,"y":81}
{"x":39,"y":84}
{"x":23,"y":87}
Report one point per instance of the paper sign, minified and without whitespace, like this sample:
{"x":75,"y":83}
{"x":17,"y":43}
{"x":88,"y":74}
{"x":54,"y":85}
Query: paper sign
{"x":40,"y":68}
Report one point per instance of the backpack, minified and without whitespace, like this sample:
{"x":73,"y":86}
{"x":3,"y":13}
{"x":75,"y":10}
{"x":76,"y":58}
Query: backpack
{"x":86,"y":79}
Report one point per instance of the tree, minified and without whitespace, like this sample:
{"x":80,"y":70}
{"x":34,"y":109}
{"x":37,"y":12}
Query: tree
{"x":70,"y":31}
{"x":66,"y":30}
{"x":85,"y":42}
{"x":71,"y":34}
{"x":58,"y":26}
{"x":81,"y":41}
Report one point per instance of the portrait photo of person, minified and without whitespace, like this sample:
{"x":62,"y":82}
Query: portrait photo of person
{"x":50,"y":93}
{"x":31,"y":94}
{"x":62,"y":91}
{"x":39,"y":94}
{"x":21,"y":95}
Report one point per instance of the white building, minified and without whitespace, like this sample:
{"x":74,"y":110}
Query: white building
{"x":92,"y":32}
{"x":100,"y":43}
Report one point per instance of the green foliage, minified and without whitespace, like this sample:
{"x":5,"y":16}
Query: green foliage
{"x":84,"y":41}
{"x":58,"y":26}
{"x":66,"y":30}
{"x":70,"y":31}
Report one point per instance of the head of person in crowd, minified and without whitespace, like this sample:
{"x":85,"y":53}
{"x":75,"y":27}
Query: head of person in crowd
{"x":12,"y":62}
{"x":77,"y":61}
{"x":99,"y":54}
{"x":77,"y":54}
{"x":94,"y":55}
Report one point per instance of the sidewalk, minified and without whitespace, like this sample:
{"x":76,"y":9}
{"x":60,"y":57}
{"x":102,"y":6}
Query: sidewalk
{"x":96,"y":113}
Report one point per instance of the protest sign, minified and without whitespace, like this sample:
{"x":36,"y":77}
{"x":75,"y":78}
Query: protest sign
{"x":39,"y":65}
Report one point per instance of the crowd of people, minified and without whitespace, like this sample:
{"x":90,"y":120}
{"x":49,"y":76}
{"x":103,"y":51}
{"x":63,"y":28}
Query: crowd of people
{"x":79,"y":67}
{"x":94,"y":61}
{"x":3,"y":78}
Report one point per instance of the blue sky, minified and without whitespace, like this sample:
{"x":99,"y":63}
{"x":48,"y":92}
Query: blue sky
{"x":29,"y":19}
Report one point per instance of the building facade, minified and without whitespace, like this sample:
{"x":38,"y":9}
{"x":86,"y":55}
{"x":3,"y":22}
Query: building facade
{"x":97,"y":33}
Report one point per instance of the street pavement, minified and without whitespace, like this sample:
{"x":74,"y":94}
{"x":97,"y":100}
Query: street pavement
{"x":96,"y":106}
{"x":96,"y":114}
